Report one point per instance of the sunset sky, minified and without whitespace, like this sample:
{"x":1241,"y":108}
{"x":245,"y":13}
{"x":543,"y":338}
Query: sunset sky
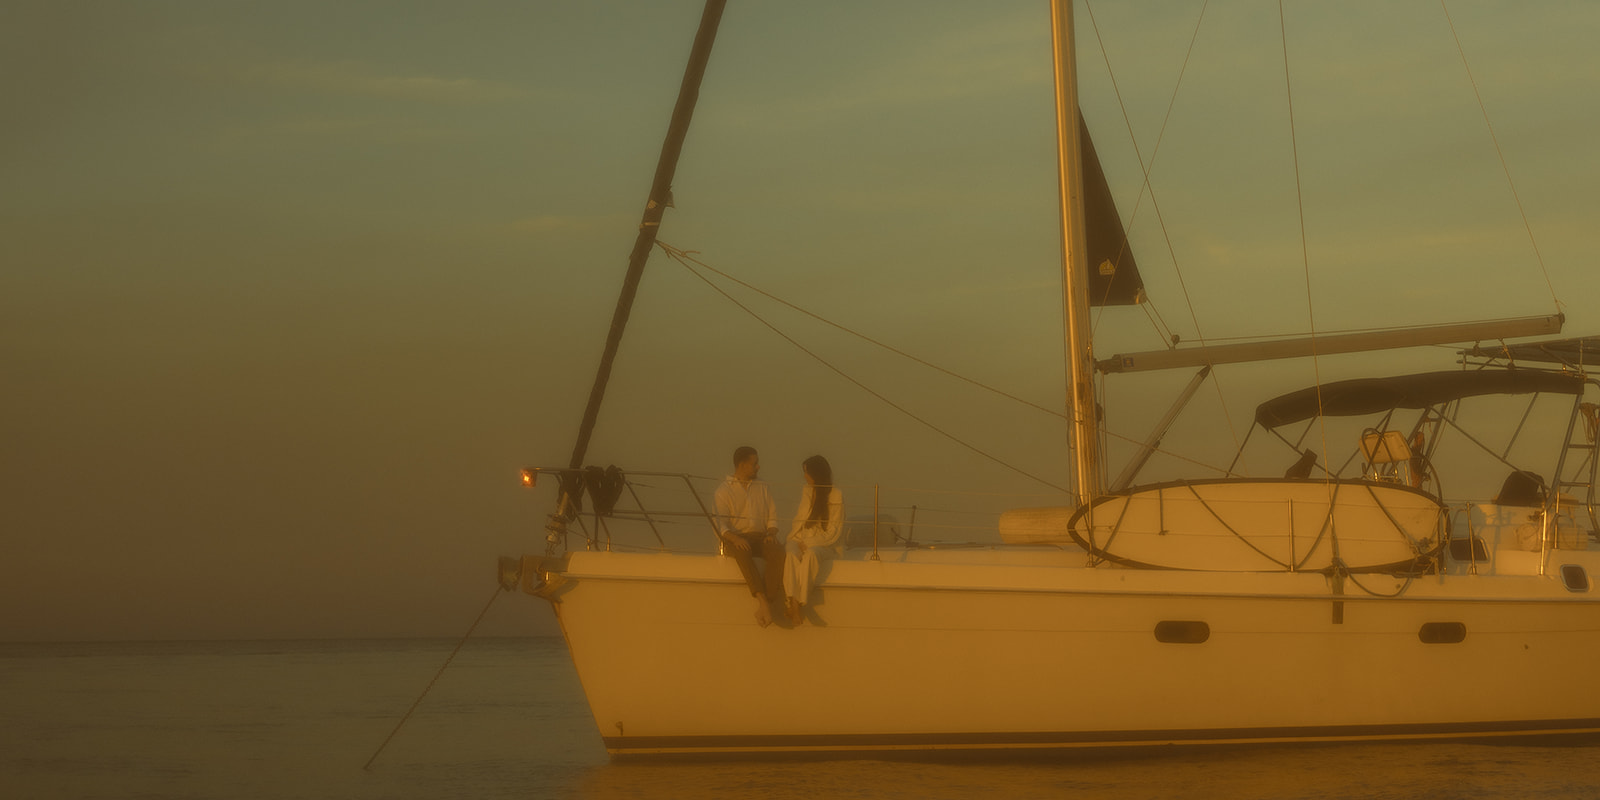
{"x":290,"y":291}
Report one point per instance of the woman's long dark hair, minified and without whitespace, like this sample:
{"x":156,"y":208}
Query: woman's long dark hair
{"x":821,"y":475}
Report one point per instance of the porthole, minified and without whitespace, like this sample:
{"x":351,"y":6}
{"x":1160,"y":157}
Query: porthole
{"x":1442,"y":632}
{"x":1182,"y":631}
{"x":1574,"y":576}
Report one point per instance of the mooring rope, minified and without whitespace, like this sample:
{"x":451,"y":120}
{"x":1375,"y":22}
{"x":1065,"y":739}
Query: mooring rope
{"x":497,"y":590}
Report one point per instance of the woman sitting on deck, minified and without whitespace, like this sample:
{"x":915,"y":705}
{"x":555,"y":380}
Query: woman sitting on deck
{"x":815,"y":535}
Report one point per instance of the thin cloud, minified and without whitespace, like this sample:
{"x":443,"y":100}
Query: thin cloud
{"x":332,"y":130}
{"x":564,"y":224}
{"x":888,"y":199}
{"x":357,"y":79}
{"x":971,"y":63}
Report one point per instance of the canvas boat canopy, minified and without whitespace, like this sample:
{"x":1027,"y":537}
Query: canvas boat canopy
{"x":1581,"y":351}
{"x":1424,"y":390}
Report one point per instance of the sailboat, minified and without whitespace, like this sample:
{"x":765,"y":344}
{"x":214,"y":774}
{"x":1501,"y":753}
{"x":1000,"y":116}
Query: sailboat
{"x":1341,"y":602}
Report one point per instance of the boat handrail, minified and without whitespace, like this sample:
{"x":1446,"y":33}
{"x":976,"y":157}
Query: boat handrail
{"x":668,"y":504}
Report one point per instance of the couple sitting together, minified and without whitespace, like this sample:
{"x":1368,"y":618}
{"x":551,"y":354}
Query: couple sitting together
{"x":747,"y":523}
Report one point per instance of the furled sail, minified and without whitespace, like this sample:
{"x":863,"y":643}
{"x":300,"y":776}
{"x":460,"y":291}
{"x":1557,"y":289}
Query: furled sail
{"x":1583,"y":351}
{"x":1376,"y":395}
{"x":1113,"y":275}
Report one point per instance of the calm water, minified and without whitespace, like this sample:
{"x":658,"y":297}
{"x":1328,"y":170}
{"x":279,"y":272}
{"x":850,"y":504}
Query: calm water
{"x":298,"y":720}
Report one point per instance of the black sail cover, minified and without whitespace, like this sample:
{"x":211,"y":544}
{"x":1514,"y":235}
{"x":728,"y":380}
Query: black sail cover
{"x":1376,"y":395}
{"x":1113,"y":276}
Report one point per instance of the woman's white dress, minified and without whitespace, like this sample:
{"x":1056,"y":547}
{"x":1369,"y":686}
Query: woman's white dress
{"x":822,"y":540}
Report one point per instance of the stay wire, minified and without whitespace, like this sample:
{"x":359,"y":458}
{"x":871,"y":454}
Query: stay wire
{"x":1157,"y":321}
{"x":672,"y":252}
{"x":1160,"y":136}
{"x":1499,"y":153}
{"x":1145,"y":184}
{"x":368,"y":766}
{"x":685,"y":259}
{"x":687,"y":255}
{"x":1300,"y":208}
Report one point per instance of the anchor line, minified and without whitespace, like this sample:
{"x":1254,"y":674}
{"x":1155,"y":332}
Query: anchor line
{"x":368,"y":766}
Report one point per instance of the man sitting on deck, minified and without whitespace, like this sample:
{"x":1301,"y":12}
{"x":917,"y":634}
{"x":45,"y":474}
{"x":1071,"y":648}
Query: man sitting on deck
{"x":747,"y":522}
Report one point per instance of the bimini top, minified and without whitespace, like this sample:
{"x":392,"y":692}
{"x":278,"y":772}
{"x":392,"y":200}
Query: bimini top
{"x":1375,"y":395}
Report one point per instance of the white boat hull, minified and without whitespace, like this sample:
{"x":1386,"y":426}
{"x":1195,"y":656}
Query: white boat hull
{"x":1025,"y":648}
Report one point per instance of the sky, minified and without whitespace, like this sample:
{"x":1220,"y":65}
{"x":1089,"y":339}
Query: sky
{"x":290,"y":292}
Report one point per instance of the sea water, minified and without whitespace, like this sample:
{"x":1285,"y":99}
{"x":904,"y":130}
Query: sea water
{"x":299,"y":719}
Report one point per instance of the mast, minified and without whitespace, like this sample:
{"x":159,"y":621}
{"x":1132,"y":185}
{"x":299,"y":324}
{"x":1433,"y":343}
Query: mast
{"x":1074,"y":261}
{"x":655,"y":205}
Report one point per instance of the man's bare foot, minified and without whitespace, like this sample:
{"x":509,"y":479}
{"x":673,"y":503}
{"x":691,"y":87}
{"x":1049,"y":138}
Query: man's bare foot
{"x":795,"y":615}
{"x":763,"y":611}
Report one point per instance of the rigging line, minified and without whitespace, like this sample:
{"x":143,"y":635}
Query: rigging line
{"x":1170,"y":454}
{"x":841,"y":373}
{"x":1157,"y":321}
{"x":1160,"y":136}
{"x":1161,"y":221}
{"x":1300,"y":208}
{"x":1156,"y":326}
{"x":1500,"y":154}
{"x":464,"y":637}
{"x":685,"y":255}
